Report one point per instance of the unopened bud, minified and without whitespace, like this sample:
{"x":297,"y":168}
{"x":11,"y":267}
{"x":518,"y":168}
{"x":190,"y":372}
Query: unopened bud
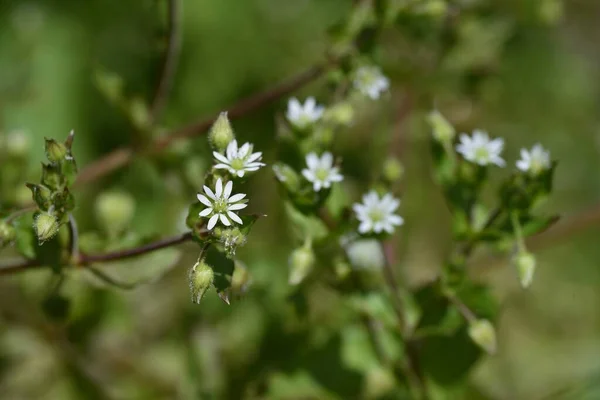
{"x":55,"y":151}
{"x":301,"y":263}
{"x":442,"y":130}
{"x":287,"y":176}
{"x":139,"y":114}
{"x":51,"y":176}
{"x":525,"y":264}
{"x":482,"y":332}
{"x":365,"y":254}
{"x":231,"y":240}
{"x":17,"y":143}
{"x":393,"y":170}
{"x":7,"y":234}
{"x":109,"y":84}
{"x":201,"y":277}
{"x":240,"y":280}
{"x":41,"y":195}
{"x":221,"y":133}
{"x":45,"y":226}
{"x":340,"y":114}
{"x":115,"y":211}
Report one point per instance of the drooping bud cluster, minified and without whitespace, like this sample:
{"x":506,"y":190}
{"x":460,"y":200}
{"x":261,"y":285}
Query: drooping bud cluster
{"x":52,"y":195}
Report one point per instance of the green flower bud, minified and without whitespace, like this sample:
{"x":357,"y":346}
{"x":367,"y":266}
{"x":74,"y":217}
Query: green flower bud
{"x":231,"y":239}
{"x":115,"y":211}
{"x":240,"y":280}
{"x":51,"y":176}
{"x":139,"y":114}
{"x":221,"y":133}
{"x":41,"y":195}
{"x":45,"y":226}
{"x":17,"y":143}
{"x":365,"y":254}
{"x":482,"y":332}
{"x":524,"y":262}
{"x":301,"y":263}
{"x":7,"y":234}
{"x":55,"y":152}
{"x":201,"y":277}
{"x":443,"y":131}
{"x":393,"y":170}
{"x":340,"y":114}
{"x":109,"y":84}
{"x":287,"y":176}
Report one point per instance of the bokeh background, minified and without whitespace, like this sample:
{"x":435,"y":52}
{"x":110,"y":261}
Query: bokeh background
{"x":527,"y":71}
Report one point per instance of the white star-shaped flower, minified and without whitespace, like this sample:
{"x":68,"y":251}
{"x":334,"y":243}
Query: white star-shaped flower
{"x":376,"y":214}
{"x":479,"y":149}
{"x":321,"y":172}
{"x":221,"y":205}
{"x":302,"y":115}
{"x":534,"y":161}
{"x":371,"y":82}
{"x":238,"y":161}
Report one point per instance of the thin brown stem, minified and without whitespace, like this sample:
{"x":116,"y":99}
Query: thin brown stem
{"x":170,"y":60}
{"x":123,"y":156}
{"x":13,"y":267}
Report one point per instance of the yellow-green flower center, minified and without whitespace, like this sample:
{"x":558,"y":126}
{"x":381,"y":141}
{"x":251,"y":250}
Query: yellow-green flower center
{"x":237,"y":164}
{"x":482,"y":154}
{"x":220,"y":206}
{"x":322,"y":174}
{"x":376,"y":215}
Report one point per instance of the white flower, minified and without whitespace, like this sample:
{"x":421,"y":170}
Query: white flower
{"x":221,"y":205}
{"x":376,"y":213}
{"x":371,"y":82}
{"x":534,"y":161}
{"x":303,"y":115}
{"x":321,"y":171}
{"x":238,"y":161}
{"x":479,"y":149}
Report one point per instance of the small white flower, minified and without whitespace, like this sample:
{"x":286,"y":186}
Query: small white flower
{"x":221,"y":205}
{"x":371,"y":82}
{"x":321,"y":172}
{"x":534,"y":161}
{"x":238,"y":161}
{"x":479,"y":149}
{"x":302,"y":116}
{"x":376,"y":214}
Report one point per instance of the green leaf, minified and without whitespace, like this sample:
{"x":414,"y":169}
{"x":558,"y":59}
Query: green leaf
{"x":26,"y":241}
{"x":223,"y":268}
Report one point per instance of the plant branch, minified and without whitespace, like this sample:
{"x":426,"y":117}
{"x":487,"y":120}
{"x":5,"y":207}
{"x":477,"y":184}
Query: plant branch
{"x":170,"y":60}
{"x":123,"y":156}
{"x":84,"y":260}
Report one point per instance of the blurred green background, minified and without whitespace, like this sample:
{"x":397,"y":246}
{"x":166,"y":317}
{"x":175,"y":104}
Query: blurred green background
{"x":524,"y":70}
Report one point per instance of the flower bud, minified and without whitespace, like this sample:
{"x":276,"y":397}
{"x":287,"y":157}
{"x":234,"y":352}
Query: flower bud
{"x":482,"y":332}
{"x":7,"y":234}
{"x":443,"y":131}
{"x":365,"y":254}
{"x":231,"y":240}
{"x":139,"y":114}
{"x":221,"y":133}
{"x":240,"y":280}
{"x":301,"y":263}
{"x":393,"y":170}
{"x":51,"y":176}
{"x":201,"y":277}
{"x":41,"y":195}
{"x":115,"y":211}
{"x":287,"y":176}
{"x":525,"y":264}
{"x":340,"y":114}
{"x":55,"y":151}
{"x":45,"y":226}
{"x":17,"y":143}
{"x":109,"y":84}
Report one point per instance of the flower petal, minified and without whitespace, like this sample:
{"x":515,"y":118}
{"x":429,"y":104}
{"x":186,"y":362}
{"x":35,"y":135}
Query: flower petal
{"x":204,"y":200}
{"x":326,"y":160}
{"x":224,"y":220}
{"x":219,"y":188}
{"x":206,"y":212}
{"x":312,"y":160}
{"x":227,"y":190}
{"x":212,"y":222}
{"x":234,"y":217}
{"x":209,"y":192}
{"x":220,"y":157}
{"x":232,"y":149}
{"x":237,"y":206}
{"x":236,"y":197}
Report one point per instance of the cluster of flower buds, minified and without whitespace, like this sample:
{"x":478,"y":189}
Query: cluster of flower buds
{"x":52,"y":195}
